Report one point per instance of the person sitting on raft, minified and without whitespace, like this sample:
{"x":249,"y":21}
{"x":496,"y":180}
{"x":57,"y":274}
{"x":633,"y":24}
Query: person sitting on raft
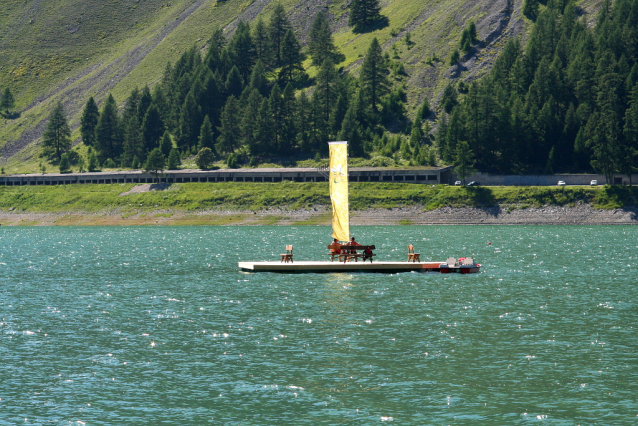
{"x":335,"y":250}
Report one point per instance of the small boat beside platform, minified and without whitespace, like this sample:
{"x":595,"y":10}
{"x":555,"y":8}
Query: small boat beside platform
{"x":382,"y":267}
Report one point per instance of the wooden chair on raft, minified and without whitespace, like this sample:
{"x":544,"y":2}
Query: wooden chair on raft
{"x":412,"y":256}
{"x":287,"y":257}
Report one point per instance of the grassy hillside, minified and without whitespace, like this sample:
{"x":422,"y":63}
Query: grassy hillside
{"x":69,"y":50}
{"x":193,"y":197}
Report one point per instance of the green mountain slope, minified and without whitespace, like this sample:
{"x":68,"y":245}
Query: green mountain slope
{"x":68,"y":50}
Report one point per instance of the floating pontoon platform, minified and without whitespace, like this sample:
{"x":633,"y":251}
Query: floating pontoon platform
{"x":330,"y":267}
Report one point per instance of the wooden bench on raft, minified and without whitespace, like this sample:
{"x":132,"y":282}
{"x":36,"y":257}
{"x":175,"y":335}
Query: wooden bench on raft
{"x":346,"y":253}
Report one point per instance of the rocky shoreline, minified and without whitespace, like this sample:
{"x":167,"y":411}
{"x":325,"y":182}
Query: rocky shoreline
{"x":502,"y":215}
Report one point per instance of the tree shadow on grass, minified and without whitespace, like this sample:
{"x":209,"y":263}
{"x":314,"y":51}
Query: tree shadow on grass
{"x":379,"y":24}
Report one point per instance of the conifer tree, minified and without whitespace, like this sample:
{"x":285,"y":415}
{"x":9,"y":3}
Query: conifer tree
{"x":288,"y":123}
{"x":189,"y":124}
{"x":374,"y":75}
{"x":463,"y":160}
{"x":630,"y":147}
{"x":206,"y":135}
{"x":88,"y":122}
{"x":230,"y":131}
{"x":291,"y":60}
{"x":320,"y":42}
{"x":327,"y":88}
{"x":303,"y":123}
{"x":7,"y":101}
{"x":248,"y":123}
{"x":363,"y":13}
{"x":261,"y":44}
{"x":133,"y":142}
{"x":234,"y":83}
{"x":275,"y":103}
{"x":277,"y":29}
{"x":145,"y":101}
{"x":65,"y":166}
{"x":108,"y":133}
{"x":152,"y":128}
{"x":264,"y":130}
{"x":166,"y":144}
{"x":242,"y":50}
{"x":57,"y":136}
{"x":258,"y":79}
{"x":351,"y":132}
{"x":173,"y":160}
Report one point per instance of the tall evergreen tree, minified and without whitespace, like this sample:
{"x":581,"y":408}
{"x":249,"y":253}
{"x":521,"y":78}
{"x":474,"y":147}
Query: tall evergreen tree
{"x":7,"y":101}
{"x":57,"y":136}
{"x":463,"y":161}
{"x":189,"y":124}
{"x":320,"y":42}
{"x":277,"y":29}
{"x":249,"y":121}
{"x":261,"y":44}
{"x":288,"y":122}
{"x":363,"y":13}
{"x":264,"y":130}
{"x":206,"y":135}
{"x":230,"y":132}
{"x":291,"y":60}
{"x":374,"y":75}
{"x":242,"y":50}
{"x":152,"y":128}
{"x":327,"y":88}
{"x":88,"y":122}
{"x":108,"y":133}
{"x":629,"y":149}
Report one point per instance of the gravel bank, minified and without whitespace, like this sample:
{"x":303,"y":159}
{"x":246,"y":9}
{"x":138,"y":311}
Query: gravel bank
{"x":551,"y":215}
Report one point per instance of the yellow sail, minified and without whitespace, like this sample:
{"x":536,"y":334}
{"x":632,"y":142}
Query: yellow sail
{"x":339,"y":190}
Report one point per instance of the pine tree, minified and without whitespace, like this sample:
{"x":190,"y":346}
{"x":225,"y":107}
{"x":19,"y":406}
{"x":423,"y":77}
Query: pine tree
{"x":629,"y":149}
{"x":206,"y":135}
{"x":291,"y":60}
{"x":230,"y":132}
{"x":463,"y":160}
{"x":234,"y":83}
{"x":133,"y":144}
{"x":166,"y":144}
{"x":374,"y":75}
{"x":320,"y":42}
{"x":242,"y":50}
{"x":152,"y":128}
{"x":288,"y":123}
{"x":363,"y":13}
{"x":65,"y":166}
{"x":277,"y":29}
{"x":57,"y":136}
{"x":173,"y":160}
{"x":326,"y":88}
{"x":108,"y":134}
{"x":264,"y":130}
{"x":249,"y":121}
{"x":88,"y":122}
{"x":7,"y":101}
{"x":258,"y":79}
{"x":260,"y":40}
{"x":189,"y":124}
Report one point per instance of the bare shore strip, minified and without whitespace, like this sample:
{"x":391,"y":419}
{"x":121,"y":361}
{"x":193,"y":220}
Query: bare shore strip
{"x":505,"y":215}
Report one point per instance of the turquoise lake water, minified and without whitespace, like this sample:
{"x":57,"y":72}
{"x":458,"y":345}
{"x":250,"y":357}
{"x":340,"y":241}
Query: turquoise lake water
{"x":156,"y":326}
